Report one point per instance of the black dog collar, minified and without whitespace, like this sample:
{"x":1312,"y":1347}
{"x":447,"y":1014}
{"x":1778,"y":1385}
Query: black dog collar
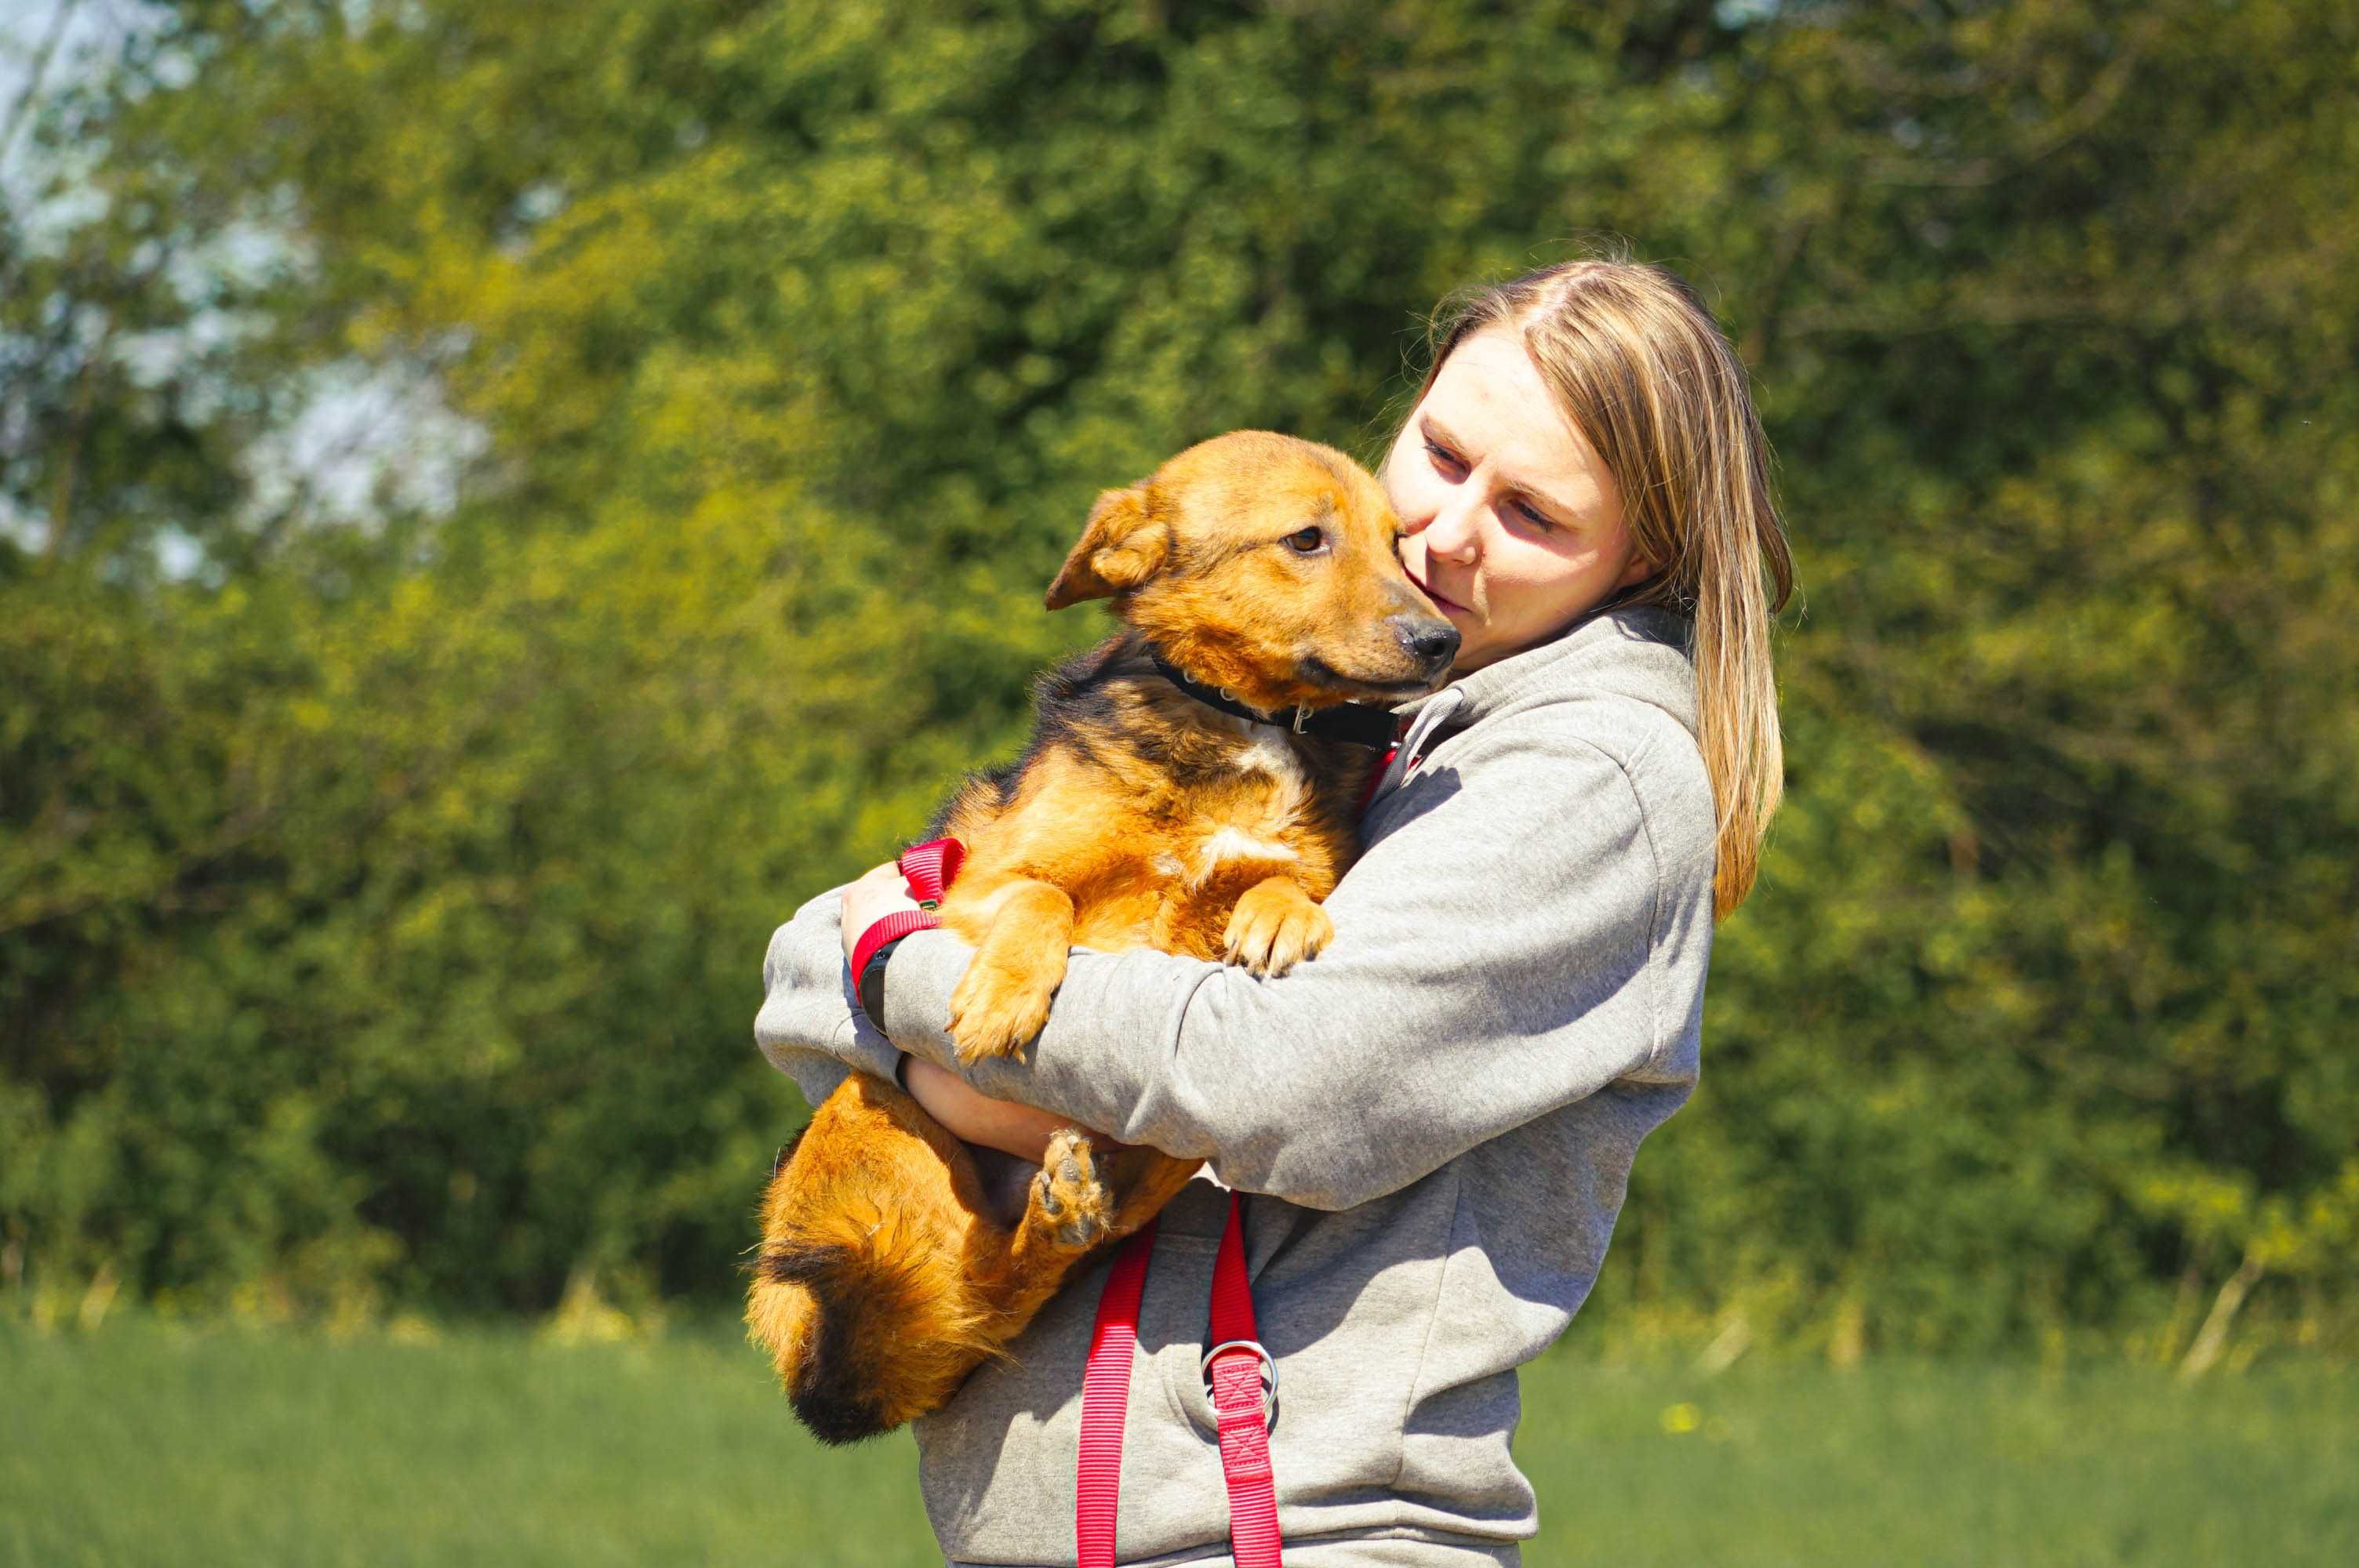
{"x":1353,"y":723}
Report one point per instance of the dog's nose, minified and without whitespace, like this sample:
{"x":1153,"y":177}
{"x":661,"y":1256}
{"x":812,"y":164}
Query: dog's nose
{"x":1432,"y":644}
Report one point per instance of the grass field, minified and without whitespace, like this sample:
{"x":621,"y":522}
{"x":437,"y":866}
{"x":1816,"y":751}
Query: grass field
{"x":152,"y":1444}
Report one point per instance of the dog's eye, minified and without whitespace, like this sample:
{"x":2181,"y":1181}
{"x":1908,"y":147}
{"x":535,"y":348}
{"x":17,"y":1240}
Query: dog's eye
{"x":1307,"y":541}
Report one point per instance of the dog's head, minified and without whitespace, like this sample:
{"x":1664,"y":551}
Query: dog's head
{"x":1266,"y":564}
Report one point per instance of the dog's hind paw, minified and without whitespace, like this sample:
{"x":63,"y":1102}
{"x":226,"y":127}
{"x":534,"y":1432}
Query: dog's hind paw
{"x":1068,"y":1198}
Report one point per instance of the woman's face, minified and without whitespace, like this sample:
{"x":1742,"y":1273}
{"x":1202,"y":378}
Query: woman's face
{"x":1509,"y":522}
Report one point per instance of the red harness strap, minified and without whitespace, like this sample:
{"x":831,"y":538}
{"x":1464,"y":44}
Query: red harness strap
{"x":1383,"y":761}
{"x":1245,"y":1401}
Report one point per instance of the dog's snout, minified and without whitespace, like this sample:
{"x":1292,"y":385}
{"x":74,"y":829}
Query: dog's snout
{"x":1433,"y":643}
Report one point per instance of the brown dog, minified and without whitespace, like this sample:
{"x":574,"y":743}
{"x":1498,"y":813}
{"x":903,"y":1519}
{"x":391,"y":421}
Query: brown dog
{"x":1256,"y":568}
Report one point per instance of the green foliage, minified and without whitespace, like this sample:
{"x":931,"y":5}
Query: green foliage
{"x":380,"y":905}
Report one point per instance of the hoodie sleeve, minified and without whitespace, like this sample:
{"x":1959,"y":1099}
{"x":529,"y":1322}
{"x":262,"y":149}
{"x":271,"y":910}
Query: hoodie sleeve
{"x":1494,"y":959}
{"x":811,"y":1026}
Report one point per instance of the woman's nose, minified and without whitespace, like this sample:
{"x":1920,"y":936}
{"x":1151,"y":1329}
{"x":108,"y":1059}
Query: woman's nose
{"x":1451,"y":532}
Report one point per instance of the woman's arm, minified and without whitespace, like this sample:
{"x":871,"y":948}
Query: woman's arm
{"x":810,"y":1026}
{"x":1496,"y":957}
{"x":812,"y":1031}
{"x":973,"y":1117}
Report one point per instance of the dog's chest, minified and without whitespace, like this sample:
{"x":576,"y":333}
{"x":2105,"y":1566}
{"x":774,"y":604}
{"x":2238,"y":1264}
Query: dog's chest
{"x":1256,"y":817}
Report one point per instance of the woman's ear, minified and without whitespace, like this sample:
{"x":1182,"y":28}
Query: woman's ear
{"x":1120,"y":548}
{"x":1639,"y":569}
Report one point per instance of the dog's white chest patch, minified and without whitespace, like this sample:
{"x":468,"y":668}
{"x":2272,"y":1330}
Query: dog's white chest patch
{"x":1257,"y":820}
{"x":1271,"y":753}
{"x":1236,"y":844}
{"x":1253,"y":834}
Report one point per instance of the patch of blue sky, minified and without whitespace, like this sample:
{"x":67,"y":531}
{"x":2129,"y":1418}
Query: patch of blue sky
{"x":348,"y":442}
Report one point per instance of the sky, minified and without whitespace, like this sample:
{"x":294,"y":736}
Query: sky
{"x":359,"y":436}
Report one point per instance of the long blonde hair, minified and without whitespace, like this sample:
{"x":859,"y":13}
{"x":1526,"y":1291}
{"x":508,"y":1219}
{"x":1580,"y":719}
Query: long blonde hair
{"x":1644,"y":372}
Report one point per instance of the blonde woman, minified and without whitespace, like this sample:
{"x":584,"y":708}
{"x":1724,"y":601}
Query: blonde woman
{"x":1434,"y":1120}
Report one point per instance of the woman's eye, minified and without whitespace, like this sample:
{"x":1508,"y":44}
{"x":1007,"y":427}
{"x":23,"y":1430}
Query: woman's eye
{"x":1306,"y":541}
{"x":1537,"y":520}
{"x":1443,"y":458}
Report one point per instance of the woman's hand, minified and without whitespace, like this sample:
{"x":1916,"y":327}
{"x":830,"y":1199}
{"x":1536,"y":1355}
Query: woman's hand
{"x":975,"y":1118}
{"x":879,"y":892}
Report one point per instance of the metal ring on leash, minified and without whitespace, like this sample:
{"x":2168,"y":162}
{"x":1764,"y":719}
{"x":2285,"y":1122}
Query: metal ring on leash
{"x":1268,"y":1374}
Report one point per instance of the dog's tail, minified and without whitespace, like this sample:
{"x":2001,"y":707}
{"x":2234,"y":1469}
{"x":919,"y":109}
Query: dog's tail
{"x":864,"y":1316}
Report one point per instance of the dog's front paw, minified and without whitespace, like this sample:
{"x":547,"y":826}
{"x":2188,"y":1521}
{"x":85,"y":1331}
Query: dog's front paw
{"x":994,"y":1012}
{"x":1274,"y":927}
{"x":1068,"y":1196}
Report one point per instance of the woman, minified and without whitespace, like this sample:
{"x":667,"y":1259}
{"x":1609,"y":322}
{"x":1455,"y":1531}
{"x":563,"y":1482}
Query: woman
{"x":1434,"y":1120}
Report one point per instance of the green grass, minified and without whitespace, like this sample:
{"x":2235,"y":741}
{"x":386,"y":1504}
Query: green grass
{"x":1933,"y":1463}
{"x":153,"y":1444}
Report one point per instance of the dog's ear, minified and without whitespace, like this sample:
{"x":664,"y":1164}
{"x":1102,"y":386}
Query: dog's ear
{"x":1121,"y":548}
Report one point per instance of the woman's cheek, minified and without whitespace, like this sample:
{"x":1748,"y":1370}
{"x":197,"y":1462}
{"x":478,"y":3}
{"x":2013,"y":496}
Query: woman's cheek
{"x":1406,"y":486}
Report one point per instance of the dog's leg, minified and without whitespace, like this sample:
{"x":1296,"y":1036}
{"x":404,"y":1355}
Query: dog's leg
{"x":1147,"y":1179}
{"x":1276,"y":926}
{"x":1068,"y":1211}
{"x":1003,"y":999}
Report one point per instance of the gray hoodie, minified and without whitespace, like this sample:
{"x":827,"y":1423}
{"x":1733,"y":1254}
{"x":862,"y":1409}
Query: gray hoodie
{"x":1435,"y":1119}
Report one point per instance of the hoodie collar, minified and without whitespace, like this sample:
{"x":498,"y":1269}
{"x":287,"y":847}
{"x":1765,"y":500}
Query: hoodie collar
{"x":1636,"y":651}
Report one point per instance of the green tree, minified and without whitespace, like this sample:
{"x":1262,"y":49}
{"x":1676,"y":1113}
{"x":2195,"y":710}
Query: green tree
{"x":379,"y":903}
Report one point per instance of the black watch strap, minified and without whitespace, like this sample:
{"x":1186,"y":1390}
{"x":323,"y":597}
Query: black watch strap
{"x":871,"y":984}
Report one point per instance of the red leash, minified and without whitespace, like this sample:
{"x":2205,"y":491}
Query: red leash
{"x":1105,"y":1391}
{"x":1245,"y":1401}
{"x":1243,"y":1375}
